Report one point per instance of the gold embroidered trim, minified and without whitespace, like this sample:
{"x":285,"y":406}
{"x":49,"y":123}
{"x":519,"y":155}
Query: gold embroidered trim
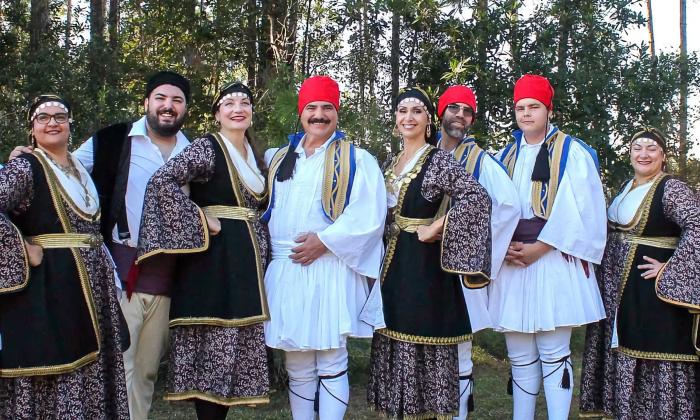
{"x":470,"y":279}
{"x":84,"y":284}
{"x":218,"y":322}
{"x":551,"y":188}
{"x":638,"y":214}
{"x":666,"y":242}
{"x":330,"y":170}
{"x":25,"y":264}
{"x":66,"y":240}
{"x":594,"y":414}
{"x":258,"y":196}
{"x":651,"y":355}
{"x":204,"y":247}
{"x":687,"y":305}
{"x":231,"y":212}
{"x":233,"y":178}
{"x":179,"y":396}
{"x":68,"y":199}
{"x":696,"y":333}
{"x":391,"y":245}
{"x":418,"y":339}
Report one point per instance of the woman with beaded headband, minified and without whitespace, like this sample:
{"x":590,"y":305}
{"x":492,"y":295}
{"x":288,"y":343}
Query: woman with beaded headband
{"x":217,"y":346}
{"x":414,"y":366}
{"x":642,"y":361}
{"x":59,"y":314}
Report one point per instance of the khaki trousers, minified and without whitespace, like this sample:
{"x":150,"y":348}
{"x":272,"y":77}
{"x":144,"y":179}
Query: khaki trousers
{"x":147,"y":317}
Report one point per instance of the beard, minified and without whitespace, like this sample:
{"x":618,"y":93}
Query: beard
{"x":454,"y":132}
{"x":165,"y":129}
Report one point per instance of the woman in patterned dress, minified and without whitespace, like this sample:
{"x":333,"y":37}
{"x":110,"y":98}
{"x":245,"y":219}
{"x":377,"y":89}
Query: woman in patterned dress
{"x":217,"y":347}
{"x":414,"y":366}
{"x":641,"y":362}
{"x":60,"y":353}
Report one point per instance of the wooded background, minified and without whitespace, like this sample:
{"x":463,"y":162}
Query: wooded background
{"x":97,"y":54}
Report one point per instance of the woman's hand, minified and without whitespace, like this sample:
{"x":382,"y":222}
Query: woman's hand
{"x":432,"y":232}
{"x":652,"y":268}
{"x":213,"y":224}
{"x":35,"y":253}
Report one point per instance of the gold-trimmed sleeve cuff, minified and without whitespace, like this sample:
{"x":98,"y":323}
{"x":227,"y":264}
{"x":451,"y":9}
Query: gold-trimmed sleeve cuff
{"x":14,"y":261}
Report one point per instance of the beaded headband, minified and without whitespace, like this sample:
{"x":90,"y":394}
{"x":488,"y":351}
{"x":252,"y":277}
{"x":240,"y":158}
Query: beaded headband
{"x":39,"y":108}
{"x":412,"y":99}
{"x":232,"y":95}
{"x":645,"y":140}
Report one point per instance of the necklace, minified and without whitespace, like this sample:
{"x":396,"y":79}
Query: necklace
{"x":71,"y":170}
{"x":393,"y":180}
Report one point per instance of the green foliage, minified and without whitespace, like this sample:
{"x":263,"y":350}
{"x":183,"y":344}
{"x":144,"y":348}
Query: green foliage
{"x":606,"y":87}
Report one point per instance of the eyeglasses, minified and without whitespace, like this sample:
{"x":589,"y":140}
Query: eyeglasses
{"x":454,"y":108}
{"x":60,"y":118}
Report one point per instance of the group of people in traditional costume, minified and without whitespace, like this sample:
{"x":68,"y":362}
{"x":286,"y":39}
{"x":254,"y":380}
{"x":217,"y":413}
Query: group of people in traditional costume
{"x":140,"y":243}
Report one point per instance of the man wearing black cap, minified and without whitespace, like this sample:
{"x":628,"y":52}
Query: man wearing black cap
{"x":121,"y":159}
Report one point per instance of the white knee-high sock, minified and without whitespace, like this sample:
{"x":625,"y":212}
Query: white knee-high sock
{"x":526,"y":374}
{"x":301,"y":398}
{"x":466,"y":400}
{"x":333,"y":396}
{"x":557,"y":371}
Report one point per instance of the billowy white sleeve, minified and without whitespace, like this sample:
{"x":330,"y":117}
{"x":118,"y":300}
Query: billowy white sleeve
{"x":269,"y":154}
{"x":356,"y":235}
{"x":578,"y":223}
{"x":85,"y":155}
{"x":505,"y":209}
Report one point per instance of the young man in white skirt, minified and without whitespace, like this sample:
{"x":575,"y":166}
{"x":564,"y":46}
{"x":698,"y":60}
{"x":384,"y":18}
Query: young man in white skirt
{"x":457,"y":111}
{"x":326,"y":225}
{"x":547,"y":285}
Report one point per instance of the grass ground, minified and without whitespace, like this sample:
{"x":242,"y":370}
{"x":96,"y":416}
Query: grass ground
{"x":490,"y":370}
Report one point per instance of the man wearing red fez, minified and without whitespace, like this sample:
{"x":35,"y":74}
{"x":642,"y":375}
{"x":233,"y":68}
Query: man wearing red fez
{"x":326,"y":220}
{"x":547,"y":285}
{"x":457,"y":111}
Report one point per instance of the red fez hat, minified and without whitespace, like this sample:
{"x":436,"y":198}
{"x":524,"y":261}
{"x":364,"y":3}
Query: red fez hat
{"x":534,"y":87}
{"x":454,"y":94}
{"x":318,"y":88}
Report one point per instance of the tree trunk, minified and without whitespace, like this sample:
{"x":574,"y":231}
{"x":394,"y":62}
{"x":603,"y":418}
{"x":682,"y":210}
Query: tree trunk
{"x":69,"y":23}
{"x":650,"y":28}
{"x":683,"y":114}
{"x":563,"y":48}
{"x":481,"y":14}
{"x":96,"y":56}
{"x":114,"y":29}
{"x":38,"y":48}
{"x":252,"y":49}
{"x":395,"y":57}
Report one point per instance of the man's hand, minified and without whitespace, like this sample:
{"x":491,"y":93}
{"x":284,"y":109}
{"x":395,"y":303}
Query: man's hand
{"x":213,"y":224}
{"x":35,"y":253}
{"x":19,"y":150}
{"x":523,"y":255}
{"x":310,"y":250}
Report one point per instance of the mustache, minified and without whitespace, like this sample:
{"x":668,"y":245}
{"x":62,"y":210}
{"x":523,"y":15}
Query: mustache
{"x":319,"y":121}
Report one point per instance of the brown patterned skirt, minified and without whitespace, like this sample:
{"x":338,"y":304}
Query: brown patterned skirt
{"x":224,"y":365}
{"x":94,"y":391}
{"x":413,"y":381}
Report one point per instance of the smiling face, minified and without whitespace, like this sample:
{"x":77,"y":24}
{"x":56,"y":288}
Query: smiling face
{"x":166,"y":110}
{"x":412,"y":120}
{"x":532,"y":117}
{"x":647,"y":157}
{"x":51,"y":135}
{"x":235,"y":113}
{"x":319,"y":120}
{"x":456,"y":121}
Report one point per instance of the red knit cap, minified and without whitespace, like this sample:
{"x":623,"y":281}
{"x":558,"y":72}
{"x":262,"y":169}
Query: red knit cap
{"x":534,"y":87}
{"x":318,"y":88}
{"x":454,"y":94}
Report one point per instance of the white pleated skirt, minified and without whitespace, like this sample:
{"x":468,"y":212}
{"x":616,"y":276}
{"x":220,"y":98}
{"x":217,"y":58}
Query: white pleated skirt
{"x":552,"y":292}
{"x":314,"y":307}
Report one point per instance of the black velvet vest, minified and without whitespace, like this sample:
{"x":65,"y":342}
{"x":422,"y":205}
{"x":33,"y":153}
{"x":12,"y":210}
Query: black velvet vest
{"x":224,"y":284}
{"x":422,"y":303}
{"x":47,"y":327}
{"x":647,"y":326}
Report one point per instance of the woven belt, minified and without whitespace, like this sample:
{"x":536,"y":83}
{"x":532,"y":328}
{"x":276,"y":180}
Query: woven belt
{"x":66,"y":240}
{"x":231,"y":212}
{"x":667,"y":242}
{"x":407,"y":224}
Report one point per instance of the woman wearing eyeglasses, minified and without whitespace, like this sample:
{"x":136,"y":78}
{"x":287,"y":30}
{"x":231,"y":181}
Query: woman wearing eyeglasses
{"x":217,"y":346}
{"x":642,"y":361}
{"x":60,"y":354}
